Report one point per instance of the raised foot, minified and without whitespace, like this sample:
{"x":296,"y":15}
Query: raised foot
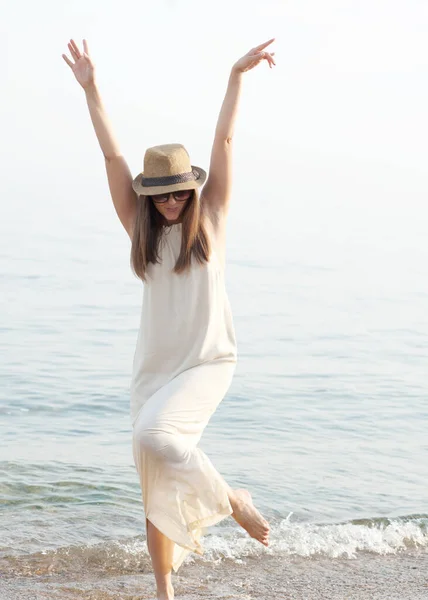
{"x":246,"y":515}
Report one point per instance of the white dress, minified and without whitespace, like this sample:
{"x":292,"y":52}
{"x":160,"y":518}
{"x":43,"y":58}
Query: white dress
{"x":183,"y":366}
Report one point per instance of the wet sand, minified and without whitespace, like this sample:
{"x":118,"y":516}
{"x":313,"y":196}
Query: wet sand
{"x":368,"y":577}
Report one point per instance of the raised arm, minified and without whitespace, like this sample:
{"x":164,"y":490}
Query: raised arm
{"x":118,"y":173}
{"x":217,"y":190}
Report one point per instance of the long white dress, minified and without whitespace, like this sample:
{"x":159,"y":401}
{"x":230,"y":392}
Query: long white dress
{"x":183,"y":366}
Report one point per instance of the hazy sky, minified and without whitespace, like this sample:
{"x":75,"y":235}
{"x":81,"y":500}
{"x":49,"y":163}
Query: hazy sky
{"x":339,"y":123}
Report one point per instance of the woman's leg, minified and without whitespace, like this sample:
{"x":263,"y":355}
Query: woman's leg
{"x":160,"y":550}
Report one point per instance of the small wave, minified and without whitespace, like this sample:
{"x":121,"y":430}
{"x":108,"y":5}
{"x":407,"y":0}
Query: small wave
{"x":342,"y":540}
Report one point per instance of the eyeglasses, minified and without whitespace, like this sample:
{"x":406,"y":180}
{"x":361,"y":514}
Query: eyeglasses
{"x":179,"y":196}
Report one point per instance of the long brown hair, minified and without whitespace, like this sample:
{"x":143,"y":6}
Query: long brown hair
{"x":148,"y":231}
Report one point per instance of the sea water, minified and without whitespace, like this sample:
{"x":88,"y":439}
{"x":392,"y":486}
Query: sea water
{"x":325,"y":422}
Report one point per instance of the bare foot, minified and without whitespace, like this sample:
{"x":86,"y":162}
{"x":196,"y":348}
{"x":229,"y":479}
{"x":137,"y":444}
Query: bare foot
{"x":248,"y":517}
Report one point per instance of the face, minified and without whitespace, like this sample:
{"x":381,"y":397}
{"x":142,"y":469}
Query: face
{"x":172,"y":205}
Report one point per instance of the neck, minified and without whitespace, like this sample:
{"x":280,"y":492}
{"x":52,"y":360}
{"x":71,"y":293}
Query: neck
{"x":168,"y":223}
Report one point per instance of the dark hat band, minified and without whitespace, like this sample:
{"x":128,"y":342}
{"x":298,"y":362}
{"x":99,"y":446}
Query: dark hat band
{"x":170,"y":180}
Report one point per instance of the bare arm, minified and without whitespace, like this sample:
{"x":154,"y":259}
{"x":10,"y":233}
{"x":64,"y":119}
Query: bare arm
{"x":217,"y":190}
{"x":118,"y":173}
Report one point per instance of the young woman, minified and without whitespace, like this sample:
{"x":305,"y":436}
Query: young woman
{"x":186,"y":350}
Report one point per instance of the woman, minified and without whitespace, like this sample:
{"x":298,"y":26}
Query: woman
{"x":186,"y":351}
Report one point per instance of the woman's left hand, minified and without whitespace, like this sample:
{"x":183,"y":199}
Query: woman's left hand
{"x":254,"y":57}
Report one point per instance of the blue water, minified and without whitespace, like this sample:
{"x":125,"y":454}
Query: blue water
{"x":325,"y":422}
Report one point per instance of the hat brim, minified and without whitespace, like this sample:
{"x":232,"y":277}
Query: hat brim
{"x":142,"y":190}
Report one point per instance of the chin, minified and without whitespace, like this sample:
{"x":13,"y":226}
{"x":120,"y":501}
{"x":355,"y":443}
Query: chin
{"x":172,"y":216}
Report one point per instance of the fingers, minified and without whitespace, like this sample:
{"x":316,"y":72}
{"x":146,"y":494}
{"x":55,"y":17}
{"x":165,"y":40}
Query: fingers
{"x":267,"y":56}
{"x":263,"y":46}
{"x":68,"y":61}
{"x":270,"y":59}
{"x":75,"y":52}
{"x":75,"y":48}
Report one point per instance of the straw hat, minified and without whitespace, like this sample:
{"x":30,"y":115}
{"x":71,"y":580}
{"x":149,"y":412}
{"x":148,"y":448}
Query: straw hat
{"x":167,"y":168}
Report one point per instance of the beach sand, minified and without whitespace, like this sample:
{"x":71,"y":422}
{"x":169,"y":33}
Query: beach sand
{"x":367,"y":577}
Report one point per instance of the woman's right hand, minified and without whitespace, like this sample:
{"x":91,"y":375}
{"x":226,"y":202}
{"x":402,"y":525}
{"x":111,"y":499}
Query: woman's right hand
{"x":82,"y":67}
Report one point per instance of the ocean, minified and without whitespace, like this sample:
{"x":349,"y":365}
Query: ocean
{"x":325,"y":422}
